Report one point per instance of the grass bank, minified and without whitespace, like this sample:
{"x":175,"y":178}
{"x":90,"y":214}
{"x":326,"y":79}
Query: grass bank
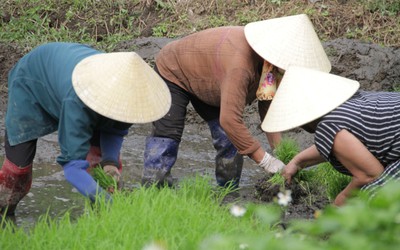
{"x":105,"y":23}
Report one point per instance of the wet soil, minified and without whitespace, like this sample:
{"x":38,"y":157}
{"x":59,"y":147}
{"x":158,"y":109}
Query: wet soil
{"x":376,"y":68}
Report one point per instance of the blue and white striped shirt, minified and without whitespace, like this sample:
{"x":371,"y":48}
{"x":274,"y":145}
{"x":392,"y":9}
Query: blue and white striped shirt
{"x":373,"y":117}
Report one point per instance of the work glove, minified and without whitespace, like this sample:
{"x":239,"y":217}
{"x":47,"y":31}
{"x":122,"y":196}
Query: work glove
{"x":76,"y":174}
{"x":271,"y":164}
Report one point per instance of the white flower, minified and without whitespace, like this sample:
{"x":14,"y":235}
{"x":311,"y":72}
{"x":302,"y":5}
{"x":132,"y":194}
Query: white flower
{"x":154,"y":246}
{"x":243,"y":246}
{"x":238,"y":211}
{"x":284,"y":198}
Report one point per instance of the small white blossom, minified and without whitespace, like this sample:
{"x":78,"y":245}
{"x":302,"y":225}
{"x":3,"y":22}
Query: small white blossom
{"x":238,"y":211}
{"x":284,"y":198}
{"x":243,"y":246}
{"x":154,"y":246}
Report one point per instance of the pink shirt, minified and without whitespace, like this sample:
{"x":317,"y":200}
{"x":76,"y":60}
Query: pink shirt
{"x":219,"y":67}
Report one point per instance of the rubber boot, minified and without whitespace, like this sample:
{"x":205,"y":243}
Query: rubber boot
{"x":15,"y":183}
{"x":159,"y":156}
{"x":228,"y":162}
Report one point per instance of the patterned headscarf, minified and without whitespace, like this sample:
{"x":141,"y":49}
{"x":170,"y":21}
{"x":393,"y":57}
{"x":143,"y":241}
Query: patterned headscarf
{"x":269,"y":82}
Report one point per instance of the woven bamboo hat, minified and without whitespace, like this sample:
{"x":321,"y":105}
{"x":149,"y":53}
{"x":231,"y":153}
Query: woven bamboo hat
{"x":121,"y":86}
{"x":304,"y":95}
{"x":288,"y":41}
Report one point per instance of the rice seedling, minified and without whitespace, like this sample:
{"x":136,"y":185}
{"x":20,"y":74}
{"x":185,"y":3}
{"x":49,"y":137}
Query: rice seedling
{"x":177,"y":218}
{"x":286,"y":150}
{"x":104,"y":180}
{"x":334,"y":181}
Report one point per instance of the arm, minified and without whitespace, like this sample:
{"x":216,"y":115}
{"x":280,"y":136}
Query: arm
{"x":305,"y":158}
{"x":234,"y":91}
{"x":274,"y":139}
{"x":110,"y":144}
{"x":361,"y":163}
{"x":76,"y":174}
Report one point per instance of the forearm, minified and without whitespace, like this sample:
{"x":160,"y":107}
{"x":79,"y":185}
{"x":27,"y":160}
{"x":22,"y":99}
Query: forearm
{"x":274,"y":139}
{"x":76,"y":174}
{"x":111,"y":144}
{"x":257,"y":155}
{"x":354,"y":184}
{"x":308,"y":157}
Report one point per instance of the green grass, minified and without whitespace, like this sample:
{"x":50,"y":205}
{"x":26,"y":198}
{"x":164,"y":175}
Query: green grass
{"x":105,"y":23}
{"x":286,"y":149}
{"x":180,"y":218}
{"x":192,"y":216}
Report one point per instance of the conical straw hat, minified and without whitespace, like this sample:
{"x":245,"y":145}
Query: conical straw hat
{"x":288,"y":41}
{"x":121,"y":86}
{"x":304,"y":95}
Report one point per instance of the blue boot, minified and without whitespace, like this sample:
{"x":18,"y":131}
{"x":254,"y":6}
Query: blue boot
{"x":228,"y":162}
{"x":159,"y":156}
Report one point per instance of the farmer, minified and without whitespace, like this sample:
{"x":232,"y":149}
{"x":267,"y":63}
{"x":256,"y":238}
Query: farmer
{"x":356,"y":131}
{"x":87,"y":96}
{"x":219,"y":71}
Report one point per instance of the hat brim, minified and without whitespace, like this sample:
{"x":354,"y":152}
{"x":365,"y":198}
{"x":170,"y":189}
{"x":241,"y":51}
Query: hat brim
{"x":288,"y":41}
{"x":305,"y":95}
{"x":121,"y":86}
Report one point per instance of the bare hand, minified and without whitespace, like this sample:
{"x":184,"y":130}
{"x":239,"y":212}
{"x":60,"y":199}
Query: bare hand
{"x":112,"y":171}
{"x":289,"y":171}
{"x":340,"y":199}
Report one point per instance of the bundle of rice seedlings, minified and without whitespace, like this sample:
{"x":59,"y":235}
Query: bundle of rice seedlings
{"x":104,"y":180}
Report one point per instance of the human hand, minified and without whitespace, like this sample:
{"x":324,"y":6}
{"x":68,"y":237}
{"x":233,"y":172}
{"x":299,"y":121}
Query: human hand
{"x":290,"y":170}
{"x":271,"y":164}
{"x":340,"y":199}
{"x":112,"y":171}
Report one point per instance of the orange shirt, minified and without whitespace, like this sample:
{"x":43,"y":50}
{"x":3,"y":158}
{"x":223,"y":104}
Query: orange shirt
{"x":219,"y":67}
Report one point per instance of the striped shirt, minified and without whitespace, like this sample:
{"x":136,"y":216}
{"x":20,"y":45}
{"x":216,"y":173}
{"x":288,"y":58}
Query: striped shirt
{"x":372,"y":117}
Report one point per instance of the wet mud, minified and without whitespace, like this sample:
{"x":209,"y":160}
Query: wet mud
{"x":377,"y":68}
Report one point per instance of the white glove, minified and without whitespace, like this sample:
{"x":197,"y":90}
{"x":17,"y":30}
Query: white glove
{"x":271,"y":164}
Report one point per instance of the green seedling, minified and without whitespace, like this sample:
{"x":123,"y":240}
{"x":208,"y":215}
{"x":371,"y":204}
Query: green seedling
{"x":104,"y":180}
{"x":277,"y":179}
{"x":286,"y":150}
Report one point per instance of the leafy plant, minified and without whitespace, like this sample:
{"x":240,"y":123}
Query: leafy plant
{"x":286,"y":149}
{"x":333,"y":180}
{"x":389,"y":7}
{"x":277,"y":179}
{"x":396,"y":87}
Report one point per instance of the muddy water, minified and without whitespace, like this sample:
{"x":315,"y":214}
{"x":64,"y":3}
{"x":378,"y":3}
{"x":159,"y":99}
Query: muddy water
{"x":52,"y":194}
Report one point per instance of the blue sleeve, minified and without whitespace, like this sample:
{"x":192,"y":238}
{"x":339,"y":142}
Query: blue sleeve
{"x":76,"y":174}
{"x":111,"y":143}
